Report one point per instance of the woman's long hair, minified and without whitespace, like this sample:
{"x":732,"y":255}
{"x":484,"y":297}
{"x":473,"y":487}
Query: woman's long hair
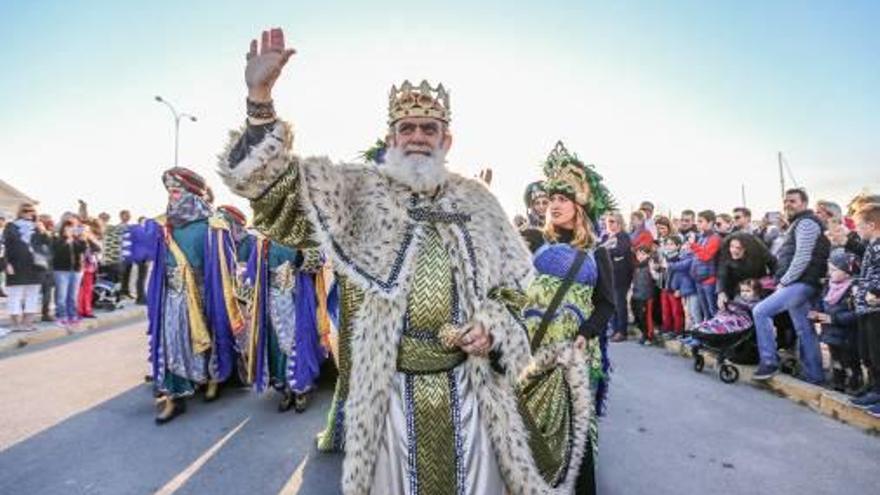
{"x":755,"y":258}
{"x":583,"y":235}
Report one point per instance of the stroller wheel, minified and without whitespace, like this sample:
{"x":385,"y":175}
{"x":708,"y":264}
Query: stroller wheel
{"x":699,"y":363}
{"x":728,"y":373}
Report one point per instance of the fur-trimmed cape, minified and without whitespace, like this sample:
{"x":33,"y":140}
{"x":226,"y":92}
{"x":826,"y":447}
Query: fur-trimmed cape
{"x":372,"y":228}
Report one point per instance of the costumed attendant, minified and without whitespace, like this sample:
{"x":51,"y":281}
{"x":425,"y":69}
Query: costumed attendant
{"x":569,"y":305}
{"x":536,"y":201}
{"x":284,"y":345}
{"x":188,"y":295}
{"x":424,"y":258}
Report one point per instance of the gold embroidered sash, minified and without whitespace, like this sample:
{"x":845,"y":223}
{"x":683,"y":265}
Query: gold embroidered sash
{"x":198,"y":329}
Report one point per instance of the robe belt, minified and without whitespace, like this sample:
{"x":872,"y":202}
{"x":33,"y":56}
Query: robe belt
{"x":422,"y":352}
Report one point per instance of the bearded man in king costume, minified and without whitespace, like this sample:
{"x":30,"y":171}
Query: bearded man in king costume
{"x":429,"y":266}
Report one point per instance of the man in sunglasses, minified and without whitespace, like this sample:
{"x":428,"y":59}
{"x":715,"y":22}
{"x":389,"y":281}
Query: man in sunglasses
{"x":742,"y":220}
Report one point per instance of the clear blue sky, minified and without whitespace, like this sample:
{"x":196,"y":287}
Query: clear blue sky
{"x":664,"y":97}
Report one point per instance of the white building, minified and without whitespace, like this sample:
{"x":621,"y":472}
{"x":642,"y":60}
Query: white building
{"x":10,"y":199}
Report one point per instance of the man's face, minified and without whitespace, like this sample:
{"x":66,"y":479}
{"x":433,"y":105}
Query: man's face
{"x":721,"y":226}
{"x":420,"y":136}
{"x":124,"y":216}
{"x":741,"y":220}
{"x":540,"y":205}
{"x":29,"y":213}
{"x":704,"y":225}
{"x":687,"y":222}
{"x":649,"y":213}
{"x":794,"y":204}
{"x":174,"y":194}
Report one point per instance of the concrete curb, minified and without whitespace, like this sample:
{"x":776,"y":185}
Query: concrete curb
{"x":828,"y":402}
{"x":47,"y":332}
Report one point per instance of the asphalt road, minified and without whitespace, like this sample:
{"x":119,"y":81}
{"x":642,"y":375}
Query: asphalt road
{"x":76,"y":419}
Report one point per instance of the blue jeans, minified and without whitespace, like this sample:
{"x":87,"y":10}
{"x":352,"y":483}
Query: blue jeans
{"x":708,"y":300}
{"x":66,"y":292}
{"x":796,"y":299}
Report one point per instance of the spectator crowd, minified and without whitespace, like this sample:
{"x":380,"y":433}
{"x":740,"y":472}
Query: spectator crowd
{"x":799,"y":280}
{"x":54,"y":271}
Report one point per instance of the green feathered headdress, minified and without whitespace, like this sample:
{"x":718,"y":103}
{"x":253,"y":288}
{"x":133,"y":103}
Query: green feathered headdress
{"x":376,"y":153}
{"x":569,"y":176}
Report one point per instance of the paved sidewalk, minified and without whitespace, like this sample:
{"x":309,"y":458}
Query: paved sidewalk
{"x":820,"y":399}
{"x":45,"y":332}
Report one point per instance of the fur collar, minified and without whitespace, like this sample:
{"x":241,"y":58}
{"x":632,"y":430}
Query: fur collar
{"x":371,"y":226}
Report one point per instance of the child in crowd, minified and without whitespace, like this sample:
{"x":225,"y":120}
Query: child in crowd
{"x":639,"y":234}
{"x":703,"y":270}
{"x":685,"y":286}
{"x":671,"y":308}
{"x":91,"y":232}
{"x":643,"y":291}
{"x":867,"y":302}
{"x":836,"y":315}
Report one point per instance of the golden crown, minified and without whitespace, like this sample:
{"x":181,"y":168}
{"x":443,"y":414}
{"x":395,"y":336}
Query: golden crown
{"x":418,"y":101}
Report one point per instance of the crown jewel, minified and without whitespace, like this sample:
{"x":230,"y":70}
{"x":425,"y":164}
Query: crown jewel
{"x":418,"y":101}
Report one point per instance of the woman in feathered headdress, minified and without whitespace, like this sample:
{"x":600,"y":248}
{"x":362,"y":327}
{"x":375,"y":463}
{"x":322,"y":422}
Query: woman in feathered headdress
{"x":568,"y":307}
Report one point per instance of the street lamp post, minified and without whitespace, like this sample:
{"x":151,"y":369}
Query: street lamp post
{"x":177,"y":117}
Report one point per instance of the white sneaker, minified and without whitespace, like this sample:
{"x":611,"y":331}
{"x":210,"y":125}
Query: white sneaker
{"x":4,"y":332}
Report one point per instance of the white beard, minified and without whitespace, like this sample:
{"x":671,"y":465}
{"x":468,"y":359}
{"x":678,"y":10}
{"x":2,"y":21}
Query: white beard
{"x":418,"y":172}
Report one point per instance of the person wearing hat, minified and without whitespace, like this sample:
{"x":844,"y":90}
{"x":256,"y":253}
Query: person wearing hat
{"x":836,"y":314}
{"x":285,"y":344}
{"x":536,"y":201}
{"x":567,"y":310}
{"x":282,"y":343}
{"x":191,"y":306}
{"x":428,"y":265}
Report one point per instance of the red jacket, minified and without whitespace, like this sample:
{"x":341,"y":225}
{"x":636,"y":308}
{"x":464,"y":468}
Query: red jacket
{"x":706,"y":252}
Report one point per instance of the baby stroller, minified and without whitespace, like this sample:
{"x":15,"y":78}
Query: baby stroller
{"x":731,"y":338}
{"x":107,"y":292}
